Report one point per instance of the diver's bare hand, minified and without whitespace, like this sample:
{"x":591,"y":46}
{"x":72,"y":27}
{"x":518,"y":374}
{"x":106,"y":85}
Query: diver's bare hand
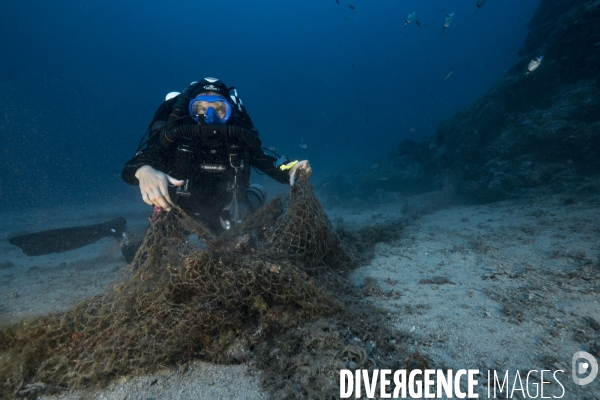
{"x":300,"y":165}
{"x":154,"y":186}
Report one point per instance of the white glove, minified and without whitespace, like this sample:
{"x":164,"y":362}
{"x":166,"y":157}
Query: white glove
{"x":154,"y":186}
{"x":303,"y":165}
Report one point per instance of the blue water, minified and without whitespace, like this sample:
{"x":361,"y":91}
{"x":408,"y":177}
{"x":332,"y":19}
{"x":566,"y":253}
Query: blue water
{"x":81,"y":80}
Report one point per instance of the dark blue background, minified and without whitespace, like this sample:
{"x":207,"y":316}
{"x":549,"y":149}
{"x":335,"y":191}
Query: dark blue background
{"x":80,"y":80}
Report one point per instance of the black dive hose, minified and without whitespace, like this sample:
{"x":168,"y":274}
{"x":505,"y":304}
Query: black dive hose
{"x":208,"y":131}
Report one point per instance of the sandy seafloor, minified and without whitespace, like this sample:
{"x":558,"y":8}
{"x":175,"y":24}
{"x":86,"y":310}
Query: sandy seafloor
{"x":521,"y":291}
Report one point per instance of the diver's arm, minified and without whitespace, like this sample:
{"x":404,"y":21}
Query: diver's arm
{"x":153,"y":154}
{"x":149,"y":156}
{"x":266,"y":164}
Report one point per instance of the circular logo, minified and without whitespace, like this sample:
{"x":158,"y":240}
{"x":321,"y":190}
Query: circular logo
{"x":580,"y":367}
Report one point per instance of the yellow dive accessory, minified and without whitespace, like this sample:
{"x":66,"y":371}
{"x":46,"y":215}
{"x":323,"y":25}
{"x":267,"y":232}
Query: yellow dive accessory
{"x":288,"y":165}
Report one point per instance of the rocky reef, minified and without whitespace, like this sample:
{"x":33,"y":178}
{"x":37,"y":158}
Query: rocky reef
{"x":534,"y":131}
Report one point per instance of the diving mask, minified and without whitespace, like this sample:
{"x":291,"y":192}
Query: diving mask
{"x":214,"y":109}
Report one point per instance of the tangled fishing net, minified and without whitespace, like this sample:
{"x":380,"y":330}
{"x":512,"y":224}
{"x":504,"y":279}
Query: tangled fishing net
{"x":189,"y":294}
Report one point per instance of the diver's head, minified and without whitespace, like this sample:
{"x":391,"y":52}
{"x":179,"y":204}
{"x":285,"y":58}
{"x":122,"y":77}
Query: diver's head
{"x":211,"y":102}
{"x":212,"y":85}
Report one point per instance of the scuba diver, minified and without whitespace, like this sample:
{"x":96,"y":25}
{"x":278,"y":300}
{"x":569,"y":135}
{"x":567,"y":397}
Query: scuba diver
{"x":197,"y":154}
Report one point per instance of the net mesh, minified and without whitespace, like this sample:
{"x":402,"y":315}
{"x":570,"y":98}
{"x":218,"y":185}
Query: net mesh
{"x":181,"y":298}
{"x":188,"y":294}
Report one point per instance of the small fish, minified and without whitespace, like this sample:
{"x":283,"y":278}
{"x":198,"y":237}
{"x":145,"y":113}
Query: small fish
{"x":352,"y":67}
{"x":367,"y":118}
{"x":409,"y":18}
{"x":449,"y":73}
{"x":534,"y":64}
{"x":350,"y":6}
{"x":303,"y":146}
{"x":417,"y":23}
{"x":480,"y":3}
{"x":413,"y":130}
{"x":338,"y":2}
{"x":448,"y":20}
{"x":431,"y":95}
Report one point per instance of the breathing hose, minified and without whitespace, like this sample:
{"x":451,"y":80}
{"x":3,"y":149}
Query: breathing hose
{"x":208,"y":131}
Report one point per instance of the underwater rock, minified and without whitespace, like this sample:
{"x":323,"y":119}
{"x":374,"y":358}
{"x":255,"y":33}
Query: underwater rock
{"x":533,"y":132}
{"x":538,"y":131}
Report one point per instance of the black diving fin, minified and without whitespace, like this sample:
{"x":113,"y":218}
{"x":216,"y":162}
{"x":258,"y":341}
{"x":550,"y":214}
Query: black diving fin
{"x":63,"y":239}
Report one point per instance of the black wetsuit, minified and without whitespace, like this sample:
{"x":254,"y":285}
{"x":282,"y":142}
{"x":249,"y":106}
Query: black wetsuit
{"x":208,"y":165}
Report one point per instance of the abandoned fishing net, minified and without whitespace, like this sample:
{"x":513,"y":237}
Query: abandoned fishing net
{"x":182,"y":298}
{"x":189,"y":295}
